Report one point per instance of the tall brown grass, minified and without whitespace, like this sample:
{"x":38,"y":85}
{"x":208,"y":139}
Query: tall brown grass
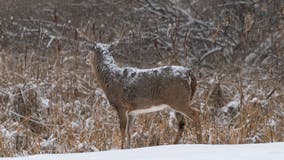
{"x":51,"y":104}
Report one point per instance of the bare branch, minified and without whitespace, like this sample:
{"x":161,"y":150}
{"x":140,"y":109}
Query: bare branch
{"x":209,"y":53}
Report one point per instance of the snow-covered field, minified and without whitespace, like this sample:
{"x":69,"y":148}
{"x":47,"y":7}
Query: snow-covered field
{"x":272,"y":151}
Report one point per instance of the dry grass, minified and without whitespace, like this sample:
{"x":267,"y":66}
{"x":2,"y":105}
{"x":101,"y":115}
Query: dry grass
{"x":50,"y":104}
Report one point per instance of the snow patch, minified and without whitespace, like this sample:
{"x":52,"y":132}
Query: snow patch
{"x":272,"y":123}
{"x":90,"y":123}
{"x":172,"y":119}
{"x":254,"y":100}
{"x":48,"y":142}
{"x":178,"y":152}
{"x":233,"y":105}
{"x":6,"y":133}
{"x":44,"y":102}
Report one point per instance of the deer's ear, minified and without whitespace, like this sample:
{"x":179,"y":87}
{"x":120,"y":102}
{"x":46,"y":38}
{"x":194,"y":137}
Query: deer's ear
{"x":95,"y":47}
{"x":97,"y":50}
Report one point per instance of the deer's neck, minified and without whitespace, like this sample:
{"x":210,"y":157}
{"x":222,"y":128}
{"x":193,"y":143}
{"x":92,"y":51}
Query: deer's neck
{"x":105,"y":69}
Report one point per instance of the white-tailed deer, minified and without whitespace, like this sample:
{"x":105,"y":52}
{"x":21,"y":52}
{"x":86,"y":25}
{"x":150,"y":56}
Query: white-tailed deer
{"x":130,"y":89}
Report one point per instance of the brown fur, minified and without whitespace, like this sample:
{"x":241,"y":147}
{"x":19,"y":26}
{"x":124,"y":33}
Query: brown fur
{"x":129,"y":89}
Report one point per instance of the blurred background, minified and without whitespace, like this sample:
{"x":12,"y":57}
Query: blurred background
{"x":49,"y":99}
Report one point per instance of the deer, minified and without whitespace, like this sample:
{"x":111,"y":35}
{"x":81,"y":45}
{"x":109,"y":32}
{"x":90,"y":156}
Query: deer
{"x":134,"y":91}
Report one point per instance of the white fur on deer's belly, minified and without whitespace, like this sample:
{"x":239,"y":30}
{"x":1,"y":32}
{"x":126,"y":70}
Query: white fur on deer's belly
{"x":149,"y":110}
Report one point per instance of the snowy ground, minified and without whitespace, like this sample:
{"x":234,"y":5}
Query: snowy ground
{"x":273,"y":151}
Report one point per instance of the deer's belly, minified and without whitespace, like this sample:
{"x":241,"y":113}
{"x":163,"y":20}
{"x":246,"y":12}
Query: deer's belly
{"x":149,"y":109}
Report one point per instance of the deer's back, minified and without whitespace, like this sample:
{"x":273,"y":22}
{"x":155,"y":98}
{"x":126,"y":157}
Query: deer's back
{"x":141,"y":88}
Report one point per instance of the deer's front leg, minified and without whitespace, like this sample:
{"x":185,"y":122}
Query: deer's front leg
{"x":129,"y":125}
{"x":123,"y":118}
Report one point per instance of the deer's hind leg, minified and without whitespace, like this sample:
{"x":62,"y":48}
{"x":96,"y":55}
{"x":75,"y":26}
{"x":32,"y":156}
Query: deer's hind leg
{"x":197,"y":124}
{"x":181,"y":124}
{"x":194,"y":115}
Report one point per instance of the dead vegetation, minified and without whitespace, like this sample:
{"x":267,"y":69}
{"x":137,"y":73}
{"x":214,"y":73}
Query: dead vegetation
{"x":49,"y":102}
